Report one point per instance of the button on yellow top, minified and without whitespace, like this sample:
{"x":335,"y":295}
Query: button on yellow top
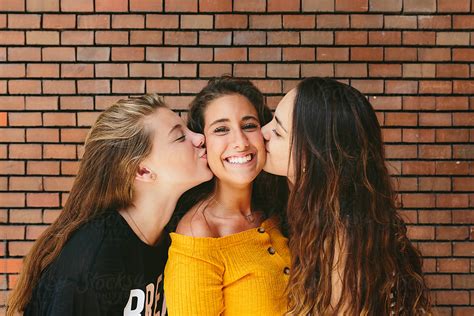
{"x":271,"y":250}
{"x":261,"y":230}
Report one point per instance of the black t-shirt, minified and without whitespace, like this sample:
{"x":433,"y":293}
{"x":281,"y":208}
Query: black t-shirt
{"x":103,"y":269}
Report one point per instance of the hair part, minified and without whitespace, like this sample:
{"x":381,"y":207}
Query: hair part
{"x":343,"y":200}
{"x":115,"y":146}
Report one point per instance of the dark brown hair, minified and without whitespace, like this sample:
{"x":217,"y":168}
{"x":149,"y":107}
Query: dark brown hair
{"x":269,"y":192}
{"x":342,"y":192}
{"x":117,"y":143}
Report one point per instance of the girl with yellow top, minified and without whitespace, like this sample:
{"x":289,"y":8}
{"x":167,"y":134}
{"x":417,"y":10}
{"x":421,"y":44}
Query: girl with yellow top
{"x":228,"y":255}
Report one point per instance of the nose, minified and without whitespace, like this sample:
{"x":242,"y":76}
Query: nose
{"x":266,"y":131}
{"x":198,"y":140}
{"x":241,"y":141}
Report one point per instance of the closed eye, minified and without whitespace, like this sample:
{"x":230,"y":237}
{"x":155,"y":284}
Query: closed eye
{"x":181,"y":139}
{"x":275,"y":132}
{"x":221,"y":130}
{"x":250,"y":126}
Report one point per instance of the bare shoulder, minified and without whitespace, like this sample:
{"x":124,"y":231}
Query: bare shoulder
{"x":194,"y":223}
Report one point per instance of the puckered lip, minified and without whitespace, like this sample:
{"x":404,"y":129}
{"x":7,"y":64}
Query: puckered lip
{"x":202,"y":154}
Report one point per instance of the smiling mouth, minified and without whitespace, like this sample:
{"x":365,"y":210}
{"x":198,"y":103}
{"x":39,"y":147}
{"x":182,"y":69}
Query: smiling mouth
{"x":240,"y":160}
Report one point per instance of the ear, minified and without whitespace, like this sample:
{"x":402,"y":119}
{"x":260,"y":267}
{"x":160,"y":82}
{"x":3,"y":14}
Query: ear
{"x":145,"y":174}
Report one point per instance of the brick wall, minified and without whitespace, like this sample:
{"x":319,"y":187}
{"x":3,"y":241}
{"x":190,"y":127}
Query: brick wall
{"x":62,"y":62}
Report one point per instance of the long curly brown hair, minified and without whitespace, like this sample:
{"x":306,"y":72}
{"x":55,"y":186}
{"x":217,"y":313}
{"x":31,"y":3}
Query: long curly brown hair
{"x":119,"y":140}
{"x":342,"y":210}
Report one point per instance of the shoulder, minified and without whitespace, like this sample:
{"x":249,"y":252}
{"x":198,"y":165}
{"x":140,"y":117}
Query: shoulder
{"x":194,"y":223}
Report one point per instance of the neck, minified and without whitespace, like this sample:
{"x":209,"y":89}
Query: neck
{"x":150,"y":213}
{"x":232,"y":200}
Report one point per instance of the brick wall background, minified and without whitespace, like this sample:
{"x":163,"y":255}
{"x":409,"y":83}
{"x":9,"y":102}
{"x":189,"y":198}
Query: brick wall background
{"x":62,"y":62}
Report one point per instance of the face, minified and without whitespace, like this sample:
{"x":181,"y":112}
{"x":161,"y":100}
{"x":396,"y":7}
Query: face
{"x":277,"y":135}
{"x":234,"y":142}
{"x":178,"y":158}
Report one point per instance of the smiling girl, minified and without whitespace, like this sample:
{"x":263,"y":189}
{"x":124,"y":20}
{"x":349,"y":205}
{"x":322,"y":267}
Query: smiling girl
{"x":228,"y":256}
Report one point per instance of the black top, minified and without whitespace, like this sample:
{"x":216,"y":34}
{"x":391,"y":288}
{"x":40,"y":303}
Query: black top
{"x":103,"y":269}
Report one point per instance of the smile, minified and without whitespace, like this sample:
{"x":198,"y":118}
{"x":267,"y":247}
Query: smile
{"x":240,"y":160}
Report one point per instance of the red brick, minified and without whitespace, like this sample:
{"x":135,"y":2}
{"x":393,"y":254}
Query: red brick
{"x":351,"y":70}
{"x":12,"y":70}
{"x":24,"y":21}
{"x":463,"y":22}
{"x":421,"y":232}
{"x":42,"y":70}
{"x":19,"y":248}
{"x":419,"y":38}
{"x":250,"y":5}
{"x":386,"y":102}
{"x":77,"y":6}
{"x":401,"y":151}
{"x":401,"y":87}
{"x":463,"y":86}
{"x":145,"y":70}
{"x":128,"y":53}
{"x":146,"y":6}
{"x":434,"y":54}
{"x":180,"y":70}
{"x":298,"y":54}
{"x":418,"y":200}
{"x":463,"y":217}
{"x":128,"y":86}
{"x":180,"y":38}
{"x":463,"y":54}
{"x":162,"y":86}
{"x":435,"y":119}
{"x":453,"y":6}
{"x":386,"y":5}
{"x":60,"y":151}
{"x":128,"y":21}
{"x":42,"y":5}
{"x":352,"y":5}
{"x":452,"y":200}
{"x":434,"y":21}
{"x":438,"y":281}
{"x":58,"y":183}
{"x":59,"y":21}
{"x":181,"y":5}
{"x":283,"y":5}
{"x":434,"y":184}
{"x":42,"y":38}
{"x":385,"y":70}
{"x":452,"y":71}
{"x":76,"y":103}
{"x":74,"y":135}
{"x":268,"y":21}
{"x":12,"y":167}
{"x":400,"y":54}
{"x":400,"y":22}
{"x":368,"y":86}
{"x":77,"y":70}
{"x":24,"y":86}
{"x":161,"y":21}
{"x":12,"y":103}
{"x":249,"y":70}
{"x":59,"y":87}
{"x":351,"y":38}
{"x":196,"y":54}
{"x":463,"y":248}
{"x":42,"y":135}
{"x":452,"y":233}
{"x":321,"y":5}
{"x":463,"y":119}
{"x":24,"y":119}
{"x":268,"y":86}
{"x":3,"y":119}
{"x":332,"y":53}
{"x":25,"y":151}
{"x":325,"y":21}
{"x":33,"y":232}
{"x":59,"y":119}
{"x":77,"y":38}
{"x":191,"y":86}
{"x":215,"y":38}
{"x":93,"y":53}
{"x":95,"y":21}
{"x":214,"y":70}
{"x":435,"y":87}
{"x":364,"y":21}
{"x":367,"y":53}
{"x":196,"y":21}
{"x":463,"y":151}
{"x":230,"y":21}
{"x":13,"y":5}
{"x":230,"y":54}
{"x":434,"y":151}
{"x":93,"y":86}
{"x":26,"y":184}
{"x":265,"y":54}
{"x":42,"y":167}
{"x":111,"y":6}
{"x":452,"y":38}
{"x":283,"y":70}
{"x":456,"y":265}
{"x":249,"y":38}
{"x":112,"y":37}
{"x":299,"y":21}
{"x":12,"y":38}
{"x":25,"y":216}
{"x":215,"y":6}
{"x":13,"y":135}
{"x":315,"y":38}
{"x":452,"y":136}
{"x":162,"y":53}
{"x":401,"y":119}
{"x":419,"y":6}
{"x":59,"y":54}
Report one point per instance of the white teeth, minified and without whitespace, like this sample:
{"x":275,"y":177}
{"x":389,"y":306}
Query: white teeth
{"x":240,"y":160}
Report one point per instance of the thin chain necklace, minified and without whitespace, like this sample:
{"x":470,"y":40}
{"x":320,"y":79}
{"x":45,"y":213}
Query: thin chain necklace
{"x":250,"y":218}
{"x":136,"y":226}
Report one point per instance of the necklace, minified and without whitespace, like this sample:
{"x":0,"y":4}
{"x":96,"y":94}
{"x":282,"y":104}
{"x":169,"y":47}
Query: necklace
{"x":249,"y":218}
{"x":136,"y":226}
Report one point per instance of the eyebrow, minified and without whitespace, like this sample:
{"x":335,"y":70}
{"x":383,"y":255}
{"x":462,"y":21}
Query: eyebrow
{"x":279,"y":123}
{"x":177,"y":126}
{"x":245,"y":118}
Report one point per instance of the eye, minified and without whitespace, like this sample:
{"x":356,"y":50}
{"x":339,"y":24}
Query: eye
{"x":181,"y":139}
{"x":221,"y":130}
{"x":275,"y":132}
{"x":250,"y":126}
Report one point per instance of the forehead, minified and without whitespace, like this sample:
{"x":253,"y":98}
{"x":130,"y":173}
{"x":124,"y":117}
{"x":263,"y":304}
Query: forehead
{"x":163,"y":120}
{"x":284,"y":109}
{"x":229,"y":106}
